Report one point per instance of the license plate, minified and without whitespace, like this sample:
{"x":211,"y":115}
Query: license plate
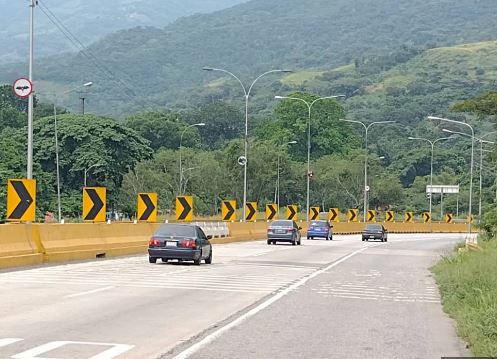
{"x":171,"y":244}
{"x":280,"y":231}
{"x":371,"y":236}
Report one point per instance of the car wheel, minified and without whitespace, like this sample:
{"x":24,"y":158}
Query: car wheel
{"x":197,"y":261}
{"x":294,"y":242}
{"x":208,"y":260}
{"x":152,"y":260}
{"x":299,"y":242}
{"x":331,"y":238}
{"x":164,"y":260}
{"x":268,"y":242}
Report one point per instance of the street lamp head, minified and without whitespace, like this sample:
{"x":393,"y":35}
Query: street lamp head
{"x":435,"y":118}
{"x":410,"y":138}
{"x":207,"y":69}
{"x":292,"y":142}
{"x":447,"y":130}
{"x":287,"y":71}
{"x":280,"y":97}
{"x":88,"y":84}
{"x":200,"y":124}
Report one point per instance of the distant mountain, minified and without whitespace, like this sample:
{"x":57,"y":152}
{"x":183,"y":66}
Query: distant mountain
{"x":142,"y":68}
{"x":89,"y":20}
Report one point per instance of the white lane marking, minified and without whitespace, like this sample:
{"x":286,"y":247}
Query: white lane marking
{"x":7,"y":341}
{"x":80,"y":294}
{"x":213,"y":336}
{"x":110,"y":353}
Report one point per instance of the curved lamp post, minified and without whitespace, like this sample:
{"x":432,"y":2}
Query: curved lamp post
{"x":309,"y":107}
{"x":247,"y":95}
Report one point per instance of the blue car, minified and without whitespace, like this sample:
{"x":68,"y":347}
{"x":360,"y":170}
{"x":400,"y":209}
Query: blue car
{"x":320,"y":229}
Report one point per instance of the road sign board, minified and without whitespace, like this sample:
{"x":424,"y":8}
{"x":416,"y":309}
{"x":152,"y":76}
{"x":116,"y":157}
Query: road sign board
{"x":271,"y":212}
{"x":184,"y":208}
{"x":449,"y":218}
{"x":442,"y":189}
{"x":94,"y":204}
{"x":228,"y":210}
{"x":470,"y":219}
{"x":352,"y":215}
{"x":389,"y":216}
{"x":371,"y":217}
{"x":426,"y":217}
{"x":334,"y":215}
{"x":21,"y":200}
{"x":147,"y":207}
{"x":22,"y":87}
{"x":409,"y":217}
{"x":314,"y":213}
{"x":292,"y":212}
{"x":251,"y":212}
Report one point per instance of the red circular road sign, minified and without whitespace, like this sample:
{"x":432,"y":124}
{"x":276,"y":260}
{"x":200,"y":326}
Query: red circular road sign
{"x":22,"y":87}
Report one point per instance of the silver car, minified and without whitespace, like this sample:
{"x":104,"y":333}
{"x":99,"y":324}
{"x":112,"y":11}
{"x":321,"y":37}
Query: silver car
{"x":283,"y":231}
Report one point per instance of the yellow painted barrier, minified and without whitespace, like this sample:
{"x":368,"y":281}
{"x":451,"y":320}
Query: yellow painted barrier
{"x":19,"y":246}
{"x":29,"y":244}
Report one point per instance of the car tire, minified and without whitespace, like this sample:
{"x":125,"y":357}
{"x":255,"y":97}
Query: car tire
{"x":152,"y":260}
{"x":164,"y":260}
{"x":294,"y":242}
{"x":299,"y":242}
{"x":208,"y":260}
{"x":197,"y":261}
{"x":269,"y":242}
{"x":331,"y":238}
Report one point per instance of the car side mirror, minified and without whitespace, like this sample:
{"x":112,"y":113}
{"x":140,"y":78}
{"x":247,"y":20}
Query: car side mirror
{"x":300,"y":228}
{"x":331,"y":226}
{"x":209,"y":237}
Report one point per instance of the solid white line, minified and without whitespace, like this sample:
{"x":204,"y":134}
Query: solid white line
{"x":88,"y":292}
{"x":213,"y":336}
{"x":8,"y":341}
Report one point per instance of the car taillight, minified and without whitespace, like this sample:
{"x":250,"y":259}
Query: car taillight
{"x":154,"y":242}
{"x":291,"y":230}
{"x":188,"y":243}
{"x":269,"y":230}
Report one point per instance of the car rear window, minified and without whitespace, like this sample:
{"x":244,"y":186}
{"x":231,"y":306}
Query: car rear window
{"x":319,"y":223}
{"x":281,"y":224}
{"x":176,"y":230}
{"x":373,"y":227}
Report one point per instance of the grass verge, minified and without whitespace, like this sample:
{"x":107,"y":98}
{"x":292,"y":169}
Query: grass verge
{"x":468,"y":284}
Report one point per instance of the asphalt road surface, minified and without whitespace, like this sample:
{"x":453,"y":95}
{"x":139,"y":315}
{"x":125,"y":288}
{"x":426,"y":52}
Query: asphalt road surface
{"x":325,"y":299}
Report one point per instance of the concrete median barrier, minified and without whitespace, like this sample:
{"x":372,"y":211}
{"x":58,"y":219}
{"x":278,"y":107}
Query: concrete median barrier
{"x":30,"y":244}
{"x":19,"y":245}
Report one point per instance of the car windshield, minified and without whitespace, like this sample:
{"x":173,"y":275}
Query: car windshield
{"x":373,"y":227}
{"x":319,"y":223}
{"x":175,"y":230}
{"x":281,"y":224}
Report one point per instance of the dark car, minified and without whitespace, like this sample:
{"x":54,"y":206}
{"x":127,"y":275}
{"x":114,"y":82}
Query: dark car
{"x":283,"y":231}
{"x":320,"y":229}
{"x":375,"y":232}
{"x":184,"y":242}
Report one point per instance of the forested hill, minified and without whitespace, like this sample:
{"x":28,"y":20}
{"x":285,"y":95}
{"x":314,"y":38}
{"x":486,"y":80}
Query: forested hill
{"x":89,"y":20}
{"x":157,"y":67}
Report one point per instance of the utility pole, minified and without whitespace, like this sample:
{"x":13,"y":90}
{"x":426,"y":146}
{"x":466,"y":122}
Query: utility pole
{"x":29,"y":172}
{"x":82,"y":104}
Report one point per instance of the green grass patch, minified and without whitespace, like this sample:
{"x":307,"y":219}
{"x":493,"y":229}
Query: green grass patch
{"x":468,"y":283}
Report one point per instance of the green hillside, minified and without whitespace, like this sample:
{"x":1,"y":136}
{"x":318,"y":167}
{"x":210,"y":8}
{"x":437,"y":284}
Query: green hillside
{"x":152,"y":67}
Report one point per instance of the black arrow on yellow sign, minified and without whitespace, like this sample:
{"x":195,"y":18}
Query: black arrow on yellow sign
{"x":25,"y":201}
{"x":271,"y":211}
{"x":291,"y":212}
{"x":252,"y":211}
{"x":371,"y":216}
{"x":352,"y":215}
{"x":389,"y":217}
{"x":333,"y":215}
{"x":314,"y":213}
{"x":149,"y":207}
{"x":186,"y":212}
{"x":228,"y":211}
{"x":448,"y":218}
{"x":408,"y":217}
{"x":427,"y":217}
{"x":97,"y":204}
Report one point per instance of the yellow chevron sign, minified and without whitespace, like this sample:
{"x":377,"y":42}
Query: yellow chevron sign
{"x":449,"y":218}
{"x":352,"y":215}
{"x":409,"y":217}
{"x":427,"y":217}
{"x":389,"y":216}
{"x":371,"y":216}
{"x":334,"y":215}
{"x":292,"y":212}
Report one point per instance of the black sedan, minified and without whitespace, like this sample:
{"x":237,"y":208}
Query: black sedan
{"x":375,"y":232}
{"x":284,"y":231}
{"x":184,"y":242}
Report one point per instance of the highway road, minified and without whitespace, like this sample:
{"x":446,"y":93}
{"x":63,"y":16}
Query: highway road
{"x":325,"y":299}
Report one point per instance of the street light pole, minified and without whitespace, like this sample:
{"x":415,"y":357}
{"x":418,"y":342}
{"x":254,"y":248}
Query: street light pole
{"x":366,"y":129}
{"x":29,"y":174}
{"x":482,"y":141}
{"x":247,"y":95}
{"x":472,"y":160}
{"x":59,"y":209}
{"x":180,"y":160}
{"x":88,"y":169}
{"x":278,"y":180}
{"x":309,"y":107}
{"x":432,"y":143}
